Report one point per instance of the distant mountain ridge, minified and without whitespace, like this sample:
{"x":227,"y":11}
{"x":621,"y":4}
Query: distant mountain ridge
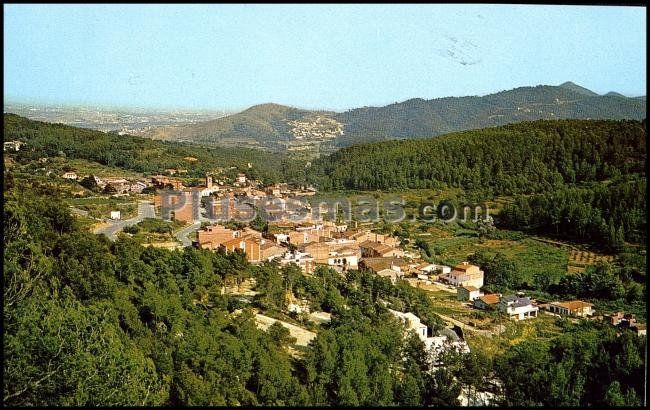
{"x":279,"y":128}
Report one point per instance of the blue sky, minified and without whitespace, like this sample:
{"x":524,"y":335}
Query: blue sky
{"x":312,"y":56}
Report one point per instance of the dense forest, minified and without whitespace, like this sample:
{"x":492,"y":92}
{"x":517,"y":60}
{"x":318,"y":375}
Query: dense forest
{"x":584,"y":178}
{"x":137,"y":153}
{"x":521,"y":158}
{"x":87,"y":321}
{"x":607,"y":214}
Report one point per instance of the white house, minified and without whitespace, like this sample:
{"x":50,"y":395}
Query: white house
{"x":391,"y":274}
{"x":304,"y":260}
{"x":430,"y":268}
{"x":412,"y":323}
{"x":116,"y":215}
{"x":517,"y":308}
{"x":434,"y":345}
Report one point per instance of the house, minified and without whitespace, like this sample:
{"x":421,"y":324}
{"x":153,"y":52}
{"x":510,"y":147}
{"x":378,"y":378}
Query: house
{"x":412,"y":323}
{"x":304,"y":260}
{"x":334,"y":254}
{"x":486,"y":302}
{"x":391,"y":274}
{"x":372,"y":249}
{"x":576,"y":308}
{"x":517,"y":308}
{"x":69,"y":175}
{"x":162,"y":182}
{"x":346,"y":258}
{"x":281,"y":237}
{"x":464,"y":274}
{"x":302,"y":237}
{"x":213,"y":236}
{"x":377,"y":264}
{"x":446,"y":341}
{"x":241,"y":179}
{"x":432,"y":268}
{"x":269,"y":250}
{"x":434,"y":345}
{"x":12,"y":145}
{"x":614,"y":318}
{"x":120,"y":185}
{"x":183,"y":207}
{"x":100,"y":182}
{"x":468,"y":293}
{"x":364,"y":236}
{"x":431,"y":271}
{"x":115,"y":215}
{"x":249,"y":244}
{"x":628,"y":321}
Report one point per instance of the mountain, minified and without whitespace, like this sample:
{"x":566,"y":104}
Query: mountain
{"x":614,"y":94}
{"x":280,"y":128}
{"x":580,"y":90}
{"x":424,"y":118}
{"x":268,"y":126}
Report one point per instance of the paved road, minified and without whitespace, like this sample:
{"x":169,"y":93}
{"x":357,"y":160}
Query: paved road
{"x":145,"y":210}
{"x":182,"y":235}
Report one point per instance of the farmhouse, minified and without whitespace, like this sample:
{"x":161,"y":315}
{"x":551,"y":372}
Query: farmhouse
{"x":576,"y":308}
{"x":487,"y":301}
{"x":468,"y":293}
{"x":464,"y":274}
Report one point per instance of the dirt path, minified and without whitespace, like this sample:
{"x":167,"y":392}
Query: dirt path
{"x":465,"y":327}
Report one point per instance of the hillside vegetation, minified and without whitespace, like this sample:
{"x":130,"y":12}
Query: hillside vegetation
{"x":90,"y":322}
{"x":135,"y":153}
{"x":586,"y":175}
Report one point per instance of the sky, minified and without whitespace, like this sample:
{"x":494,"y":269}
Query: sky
{"x":323,"y":56}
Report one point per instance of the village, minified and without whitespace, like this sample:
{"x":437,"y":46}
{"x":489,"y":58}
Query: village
{"x":207,"y":213}
{"x":297,"y":234}
{"x":309,"y":237}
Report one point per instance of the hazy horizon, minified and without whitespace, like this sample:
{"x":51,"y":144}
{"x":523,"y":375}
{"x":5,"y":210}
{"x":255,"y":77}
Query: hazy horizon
{"x":326,"y":57}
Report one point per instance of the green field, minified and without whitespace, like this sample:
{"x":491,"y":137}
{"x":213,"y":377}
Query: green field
{"x":530,"y":256}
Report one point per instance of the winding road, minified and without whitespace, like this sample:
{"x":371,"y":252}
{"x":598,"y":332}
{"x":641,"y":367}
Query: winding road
{"x":182,"y":235}
{"x":145,"y":210}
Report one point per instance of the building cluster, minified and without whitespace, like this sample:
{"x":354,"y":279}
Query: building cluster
{"x":237,"y":199}
{"x":626,"y":321}
{"x":115,"y":184}
{"x":307,"y":245}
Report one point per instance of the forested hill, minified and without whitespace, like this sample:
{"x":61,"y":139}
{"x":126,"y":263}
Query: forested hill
{"x":136,"y":153}
{"x":280,"y":128}
{"x":264,"y":126}
{"x":518,"y":158}
{"x":418,"y":118}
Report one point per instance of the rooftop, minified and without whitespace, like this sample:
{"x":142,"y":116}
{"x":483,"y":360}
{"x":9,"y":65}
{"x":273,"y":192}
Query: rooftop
{"x":573,"y":304}
{"x":490,"y":299}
